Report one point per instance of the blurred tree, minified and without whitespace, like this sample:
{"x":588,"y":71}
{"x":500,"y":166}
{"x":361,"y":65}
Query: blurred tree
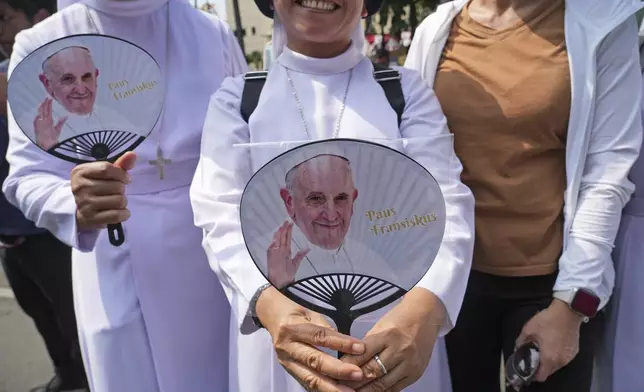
{"x":402,"y":15}
{"x":255,"y":59}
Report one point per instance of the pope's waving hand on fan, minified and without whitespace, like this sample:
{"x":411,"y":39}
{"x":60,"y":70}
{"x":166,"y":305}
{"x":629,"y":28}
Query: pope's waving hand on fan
{"x":321,"y":86}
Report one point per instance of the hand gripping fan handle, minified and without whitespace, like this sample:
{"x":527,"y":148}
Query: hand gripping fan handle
{"x":116,"y":234}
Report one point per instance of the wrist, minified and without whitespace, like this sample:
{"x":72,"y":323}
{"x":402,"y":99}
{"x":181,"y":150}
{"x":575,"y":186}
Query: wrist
{"x":45,"y":143}
{"x":563,"y":308}
{"x":264,"y":304}
{"x":424,"y":308}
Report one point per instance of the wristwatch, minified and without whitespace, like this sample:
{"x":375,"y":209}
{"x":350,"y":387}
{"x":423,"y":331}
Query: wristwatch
{"x":252,"y":309}
{"x":582,"y":301}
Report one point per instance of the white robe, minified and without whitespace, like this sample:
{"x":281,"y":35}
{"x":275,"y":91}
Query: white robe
{"x":224,"y":170}
{"x":152,"y":316}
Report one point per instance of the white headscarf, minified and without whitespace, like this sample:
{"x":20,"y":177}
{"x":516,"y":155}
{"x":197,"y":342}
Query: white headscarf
{"x":280,"y":38}
{"x":118,"y":7}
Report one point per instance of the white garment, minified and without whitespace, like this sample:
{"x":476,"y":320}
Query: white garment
{"x":224,"y":170}
{"x":152,"y":316}
{"x":351,"y":257}
{"x":604,"y":129}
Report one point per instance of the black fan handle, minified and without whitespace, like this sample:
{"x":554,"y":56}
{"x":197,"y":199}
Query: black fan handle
{"x":116,"y":234}
{"x":343,"y":323}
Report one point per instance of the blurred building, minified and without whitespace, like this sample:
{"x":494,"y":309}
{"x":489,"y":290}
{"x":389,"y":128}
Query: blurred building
{"x":257,"y":28}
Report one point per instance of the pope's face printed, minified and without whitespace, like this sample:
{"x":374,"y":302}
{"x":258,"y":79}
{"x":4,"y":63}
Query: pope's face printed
{"x":321,"y":200}
{"x":319,"y":21}
{"x":70,"y":77}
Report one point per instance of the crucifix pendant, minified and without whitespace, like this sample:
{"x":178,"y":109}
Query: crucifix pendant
{"x":160,"y":162}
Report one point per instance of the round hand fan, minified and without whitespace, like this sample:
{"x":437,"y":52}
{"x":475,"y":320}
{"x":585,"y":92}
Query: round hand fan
{"x":86,"y":98}
{"x":343,"y":227}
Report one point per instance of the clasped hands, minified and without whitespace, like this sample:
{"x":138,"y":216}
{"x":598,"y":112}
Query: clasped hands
{"x":403,"y":341}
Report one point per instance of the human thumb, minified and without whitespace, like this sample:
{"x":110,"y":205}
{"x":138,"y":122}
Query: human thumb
{"x":126,"y":161}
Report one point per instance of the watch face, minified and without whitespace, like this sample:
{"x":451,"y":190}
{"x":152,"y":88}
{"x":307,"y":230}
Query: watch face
{"x":585,"y":302}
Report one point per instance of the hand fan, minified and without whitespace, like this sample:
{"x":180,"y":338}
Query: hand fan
{"x":87,"y":98}
{"x":343,"y":227}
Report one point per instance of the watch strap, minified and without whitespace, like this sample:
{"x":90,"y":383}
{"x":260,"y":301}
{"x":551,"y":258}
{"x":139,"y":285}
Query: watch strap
{"x":568,"y":296}
{"x":252,"y":309}
{"x":565,"y":296}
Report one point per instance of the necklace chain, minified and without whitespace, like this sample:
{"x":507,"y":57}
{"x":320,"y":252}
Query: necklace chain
{"x":336,"y":131}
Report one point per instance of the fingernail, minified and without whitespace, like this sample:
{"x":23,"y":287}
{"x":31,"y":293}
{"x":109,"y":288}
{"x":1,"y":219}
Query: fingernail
{"x":358,"y":348}
{"x":357,"y":375}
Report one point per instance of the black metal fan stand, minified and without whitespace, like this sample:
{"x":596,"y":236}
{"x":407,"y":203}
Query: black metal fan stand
{"x":344,"y":292}
{"x":99,"y":145}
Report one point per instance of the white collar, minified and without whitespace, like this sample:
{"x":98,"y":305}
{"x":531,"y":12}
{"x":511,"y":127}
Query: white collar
{"x":321,"y":66}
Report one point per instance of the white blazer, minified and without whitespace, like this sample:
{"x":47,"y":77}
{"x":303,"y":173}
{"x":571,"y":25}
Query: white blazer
{"x":604,"y":131}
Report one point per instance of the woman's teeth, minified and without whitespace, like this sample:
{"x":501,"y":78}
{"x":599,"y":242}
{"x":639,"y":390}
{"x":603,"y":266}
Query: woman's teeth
{"x":318,"y":5}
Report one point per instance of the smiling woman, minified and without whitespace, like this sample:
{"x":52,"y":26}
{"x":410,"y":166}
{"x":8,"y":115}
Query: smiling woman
{"x":318,"y":5}
{"x":322,"y":86}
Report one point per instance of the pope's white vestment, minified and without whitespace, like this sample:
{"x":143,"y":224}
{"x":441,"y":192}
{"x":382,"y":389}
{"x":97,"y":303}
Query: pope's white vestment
{"x":152,"y":315}
{"x":101,"y":118}
{"x":351,"y":257}
{"x":225,"y":167}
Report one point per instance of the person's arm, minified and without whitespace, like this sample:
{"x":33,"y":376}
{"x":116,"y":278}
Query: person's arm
{"x":38,"y":184}
{"x":216,"y":190}
{"x":615,"y":143}
{"x":431,"y":145}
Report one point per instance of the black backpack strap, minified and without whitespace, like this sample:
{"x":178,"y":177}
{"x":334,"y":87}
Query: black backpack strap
{"x":389,"y":80}
{"x":253,"y":85}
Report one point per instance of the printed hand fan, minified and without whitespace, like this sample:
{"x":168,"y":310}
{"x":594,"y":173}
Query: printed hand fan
{"x":86,"y":98}
{"x":343,"y":227}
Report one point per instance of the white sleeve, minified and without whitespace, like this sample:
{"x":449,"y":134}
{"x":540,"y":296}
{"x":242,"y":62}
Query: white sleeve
{"x":615,"y":142}
{"x":215,"y":193}
{"x":38,"y":184}
{"x":423,"y":117}
{"x":416,"y":58}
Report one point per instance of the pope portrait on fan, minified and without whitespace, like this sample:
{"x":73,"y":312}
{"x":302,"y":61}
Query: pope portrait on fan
{"x":71,"y":106}
{"x":319,"y":196}
{"x":70,"y":79}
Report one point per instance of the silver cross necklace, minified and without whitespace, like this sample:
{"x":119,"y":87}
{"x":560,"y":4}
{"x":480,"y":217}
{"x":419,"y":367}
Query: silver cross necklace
{"x":336,"y":132}
{"x":161,"y":161}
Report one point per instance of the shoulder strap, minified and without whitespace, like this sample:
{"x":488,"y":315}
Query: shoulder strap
{"x":253,"y":85}
{"x":389,"y":80}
